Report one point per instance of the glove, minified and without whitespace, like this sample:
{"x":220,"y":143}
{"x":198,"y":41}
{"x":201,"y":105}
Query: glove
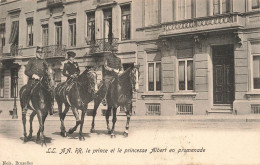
{"x":35,"y":77}
{"x":116,"y":70}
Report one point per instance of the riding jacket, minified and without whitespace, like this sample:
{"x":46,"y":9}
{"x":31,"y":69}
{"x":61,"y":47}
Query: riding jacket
{"x":36,"y":66}
{"x":70,"y":68}
{"x":114,"y":62}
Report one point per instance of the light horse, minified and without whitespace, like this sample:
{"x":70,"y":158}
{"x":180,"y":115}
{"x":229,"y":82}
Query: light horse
{"x":77,"y":96}
{"x":40,"y":102}
{"x":120,"y":93}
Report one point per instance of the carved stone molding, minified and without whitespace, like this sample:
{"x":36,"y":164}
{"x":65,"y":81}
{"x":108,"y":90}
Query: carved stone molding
{"x":198,"y":39}
{"x":164,"y":44}
{"x":238,"y":38}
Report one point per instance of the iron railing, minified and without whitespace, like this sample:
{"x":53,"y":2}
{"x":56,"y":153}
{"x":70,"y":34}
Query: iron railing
{"x":184,"y":109}
{"x":103,"y":45}
{"x":53,"y":51}
{"x":217,"y":21}
{"x":153,"y":109}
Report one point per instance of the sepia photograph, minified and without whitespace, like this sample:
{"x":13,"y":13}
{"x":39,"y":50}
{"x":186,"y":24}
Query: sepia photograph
{"x":129,"y":82}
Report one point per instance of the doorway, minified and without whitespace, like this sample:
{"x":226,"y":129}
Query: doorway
{"x":223,"y":74}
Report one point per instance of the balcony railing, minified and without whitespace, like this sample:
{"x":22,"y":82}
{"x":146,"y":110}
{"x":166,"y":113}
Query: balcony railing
{"x":54,"y":3}
{"x":103,"y":45}
{"x":54,"y":51}
{"x":232,"y":20}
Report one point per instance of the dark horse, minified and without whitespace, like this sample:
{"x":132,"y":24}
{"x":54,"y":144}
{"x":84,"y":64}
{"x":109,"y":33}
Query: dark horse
{"x":120,"y":93}
{"x":77,"y":95}
{"x":40,"y":102}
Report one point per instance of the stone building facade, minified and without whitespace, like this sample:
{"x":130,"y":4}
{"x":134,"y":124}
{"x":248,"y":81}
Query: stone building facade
{"x":195,"y":56}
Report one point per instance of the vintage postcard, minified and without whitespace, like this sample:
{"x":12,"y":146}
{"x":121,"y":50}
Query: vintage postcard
{"x":129,"y":82}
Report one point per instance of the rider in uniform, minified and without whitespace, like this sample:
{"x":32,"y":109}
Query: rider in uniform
{"x":71,"y":68}
{"x":112,"y":69}
{"x":35,"y":70}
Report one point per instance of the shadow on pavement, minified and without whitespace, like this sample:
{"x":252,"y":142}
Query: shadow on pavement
{"x":33,"y":139}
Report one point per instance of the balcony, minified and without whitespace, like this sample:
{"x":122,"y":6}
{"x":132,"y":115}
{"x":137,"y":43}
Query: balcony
{"x":54,"y":51}
{"x":15,"y":51}
{"x":204,"y":24}
{"x":103,"y":45}
{"x":55,"y":3}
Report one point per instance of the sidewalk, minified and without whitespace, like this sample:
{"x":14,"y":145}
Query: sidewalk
{"x":183,"y":118}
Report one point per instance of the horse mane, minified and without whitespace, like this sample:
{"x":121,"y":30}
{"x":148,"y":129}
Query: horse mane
{"x":124,"y":74}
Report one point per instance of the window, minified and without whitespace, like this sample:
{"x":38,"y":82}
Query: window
{"x":91,"y":26}
{"x":255,"y":49}
{"x":255,"y":4}
{"x":58,"y":33}
{"x":2,"y":35}
{"x":154,"y":76}
{"x":2,"y":77}
{"x":30,"y":32}
{"x":14,"y":85}
{"x":185,"y":69}
{"x":152,"y":12}
{"x":126,"y":20}
{"x":72,"y":32}
{"x":108,"y":24}
{"x":45,"y":35}
{"x":185,"y":8}
{"x":221,"y":6}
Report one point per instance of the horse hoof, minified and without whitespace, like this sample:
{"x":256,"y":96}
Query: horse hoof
{"x":125,"y":134}
{"x":92,"y":130}
{"x":113,"y":136}
{"x":70,"y":131}
{"x":63,"y":134}
{"x":25,"y":139}
{"x":109,"y":132}
{"x":81,"y":138}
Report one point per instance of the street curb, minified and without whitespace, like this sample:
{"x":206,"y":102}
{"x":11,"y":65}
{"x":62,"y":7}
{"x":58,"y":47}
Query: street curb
{"x":160,"y":118}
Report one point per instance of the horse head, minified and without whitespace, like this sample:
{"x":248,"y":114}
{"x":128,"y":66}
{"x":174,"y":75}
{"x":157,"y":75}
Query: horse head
{"x":48,"y":78}
{"x":89,"y":79}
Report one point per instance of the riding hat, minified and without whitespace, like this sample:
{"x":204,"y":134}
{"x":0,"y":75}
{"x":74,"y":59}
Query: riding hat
{"x":71,"y":54}
{"x":39,"y":49}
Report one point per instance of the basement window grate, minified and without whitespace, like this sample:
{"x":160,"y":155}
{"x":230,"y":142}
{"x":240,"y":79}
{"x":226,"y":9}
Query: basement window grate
{"x":184,"y":109}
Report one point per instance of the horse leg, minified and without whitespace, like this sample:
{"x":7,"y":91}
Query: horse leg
{"x":39,"y":131}
{"x":114,"y":122}
{"x":24,"y":111}
{"x":81,"y":137}
{"x":108,"y":112}
{"x":78,"y":121}
{"x":31,"y":120}
{"x":40,"y":135}
{"x":128,"y":115}
{"x":62,"y":117}
{"x":96,"y":104}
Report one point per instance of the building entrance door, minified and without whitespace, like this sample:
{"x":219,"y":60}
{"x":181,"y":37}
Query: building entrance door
{"x":223,"y":74}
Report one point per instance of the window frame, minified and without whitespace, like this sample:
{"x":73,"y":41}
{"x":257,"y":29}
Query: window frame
{"x":2,"y":83}
{"x":154,"y":76}
{"x":72,"y":34}
{"x":185,"y":74}
{"x":193,"y":9}
{"x":2,"y":34}
{"x":29,"y":32}
{"x":60,"y":33}
{"x":220,"y":7}
{"x":91,"y":20}
{"x":251,"y":5}
{"x":252,"y":71}
{"x":126,"y":7}
{"x":45,"y":27}
{"x":15,"y":87}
